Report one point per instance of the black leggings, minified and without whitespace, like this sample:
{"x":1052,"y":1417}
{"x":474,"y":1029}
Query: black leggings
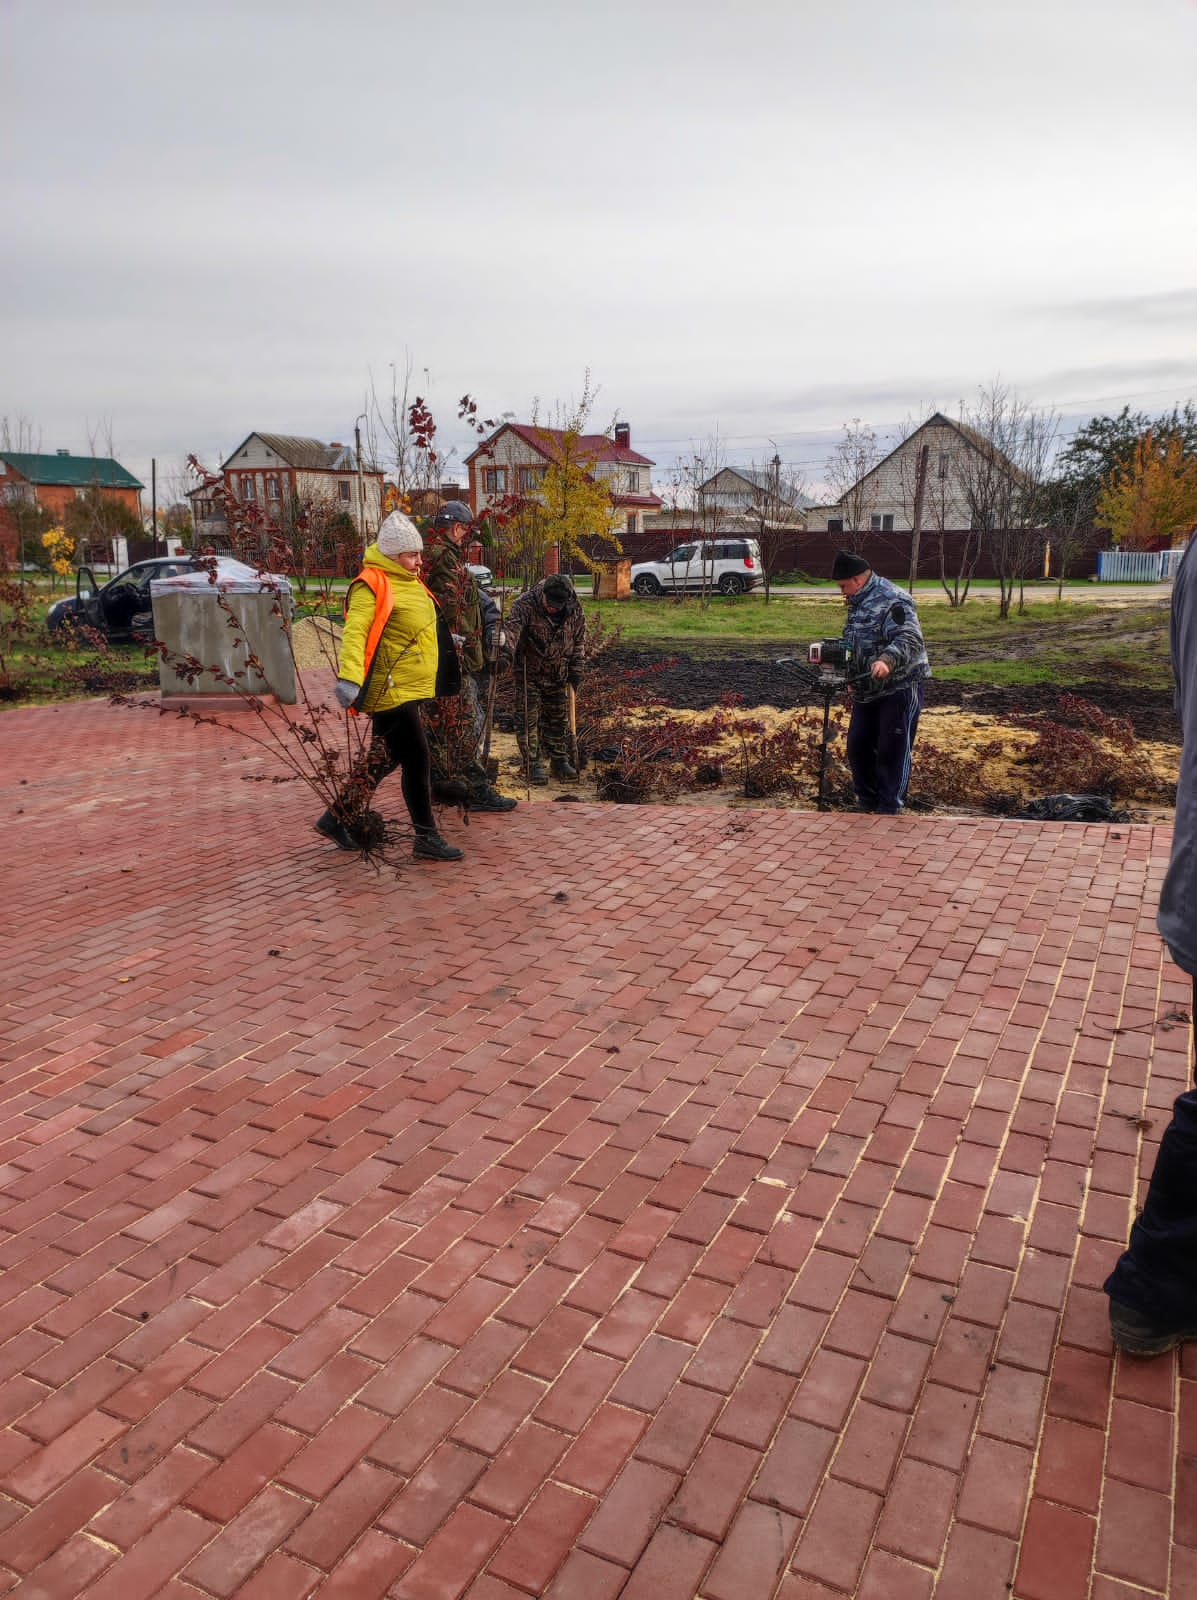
{"x":398,"y":741}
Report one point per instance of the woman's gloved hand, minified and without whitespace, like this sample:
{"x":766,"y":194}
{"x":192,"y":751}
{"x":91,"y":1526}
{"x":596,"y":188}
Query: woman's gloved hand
{"x":346,"y":692}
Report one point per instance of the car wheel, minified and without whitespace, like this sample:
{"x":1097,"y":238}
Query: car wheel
{"x":646,"y":584}
{"x":732,"y":583}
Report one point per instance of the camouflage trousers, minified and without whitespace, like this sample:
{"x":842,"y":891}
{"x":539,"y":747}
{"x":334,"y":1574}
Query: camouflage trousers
{"x":541,"y":719}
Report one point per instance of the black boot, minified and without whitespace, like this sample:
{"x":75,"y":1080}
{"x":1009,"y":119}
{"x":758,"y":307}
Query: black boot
{"x":489,"y":799}
{"x":429,"y":846}
{"x":561,"y":768}
{"x":538,"y":773}
{"x":331,"y":826}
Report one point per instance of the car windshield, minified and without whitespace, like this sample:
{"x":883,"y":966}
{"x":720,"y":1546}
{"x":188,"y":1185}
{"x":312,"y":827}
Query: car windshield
{"x":684,"y":552}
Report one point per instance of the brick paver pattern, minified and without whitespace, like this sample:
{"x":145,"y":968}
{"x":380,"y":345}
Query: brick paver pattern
{"x":662,"y":1203}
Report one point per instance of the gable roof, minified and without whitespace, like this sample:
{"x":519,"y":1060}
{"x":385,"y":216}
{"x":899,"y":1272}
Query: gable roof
{"x":975,"y":441}
{"x":759,"y":478}
{"x":596,"y":447}
{"x":753,"y":476}
{"x":305,"y":455}
{"x":76,"y":472}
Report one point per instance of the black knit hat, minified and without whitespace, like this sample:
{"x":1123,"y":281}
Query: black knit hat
{"x":846,"y":565}
{"x":558,"y":590}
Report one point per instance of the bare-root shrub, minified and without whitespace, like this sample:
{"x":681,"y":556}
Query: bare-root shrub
{"x":1086,"y":751}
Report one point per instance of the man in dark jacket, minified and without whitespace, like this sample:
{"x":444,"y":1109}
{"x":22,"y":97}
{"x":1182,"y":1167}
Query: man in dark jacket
{"x":1153,"y":1289}
{"x":889,"y":664}
{"x":454,"y":725}
{"x":546,"y":644}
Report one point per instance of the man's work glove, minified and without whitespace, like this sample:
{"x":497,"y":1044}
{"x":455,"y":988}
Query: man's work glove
{"x":346,"y":692}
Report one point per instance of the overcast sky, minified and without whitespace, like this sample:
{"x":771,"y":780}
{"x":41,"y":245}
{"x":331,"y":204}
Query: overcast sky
{"x":759,"y":219}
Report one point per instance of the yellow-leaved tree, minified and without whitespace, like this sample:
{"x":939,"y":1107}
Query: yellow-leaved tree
{"x":567,"y":501}
{"x":61,"y":549}
{"x":1153,"y":495}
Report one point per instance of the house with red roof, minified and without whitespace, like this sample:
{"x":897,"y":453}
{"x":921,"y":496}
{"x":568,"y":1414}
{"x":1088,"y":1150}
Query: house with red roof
{"x":513,"y":460}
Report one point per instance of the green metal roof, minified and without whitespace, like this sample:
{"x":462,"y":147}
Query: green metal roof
{"x":78,"y":472}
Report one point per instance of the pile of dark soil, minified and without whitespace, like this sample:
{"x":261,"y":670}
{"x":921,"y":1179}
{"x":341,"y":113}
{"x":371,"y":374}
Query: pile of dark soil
{"x":698,"y":682}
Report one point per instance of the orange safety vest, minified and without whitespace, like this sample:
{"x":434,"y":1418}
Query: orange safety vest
{"x":384,"y":603}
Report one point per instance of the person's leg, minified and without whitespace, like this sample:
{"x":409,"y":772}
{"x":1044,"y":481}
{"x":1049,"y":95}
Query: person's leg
{"x":862,"y":752}
{"x":408,"y":749}
{"x":554,"y":722}
{"x":897,"y":724}
{"x":354,"y":796}
{"x":526,"y":697}
{"x":1153,"y":1289}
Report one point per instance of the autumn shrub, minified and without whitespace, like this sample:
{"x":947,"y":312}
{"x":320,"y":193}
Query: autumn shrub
{"x":1083,"y":750}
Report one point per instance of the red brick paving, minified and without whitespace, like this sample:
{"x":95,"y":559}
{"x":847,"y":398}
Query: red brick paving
{"x":663,"y":1202}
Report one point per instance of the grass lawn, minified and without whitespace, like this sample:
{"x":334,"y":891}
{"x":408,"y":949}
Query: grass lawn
{"x":1049,"y":643}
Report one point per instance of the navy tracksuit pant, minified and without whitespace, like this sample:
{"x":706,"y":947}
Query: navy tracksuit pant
{"x":880,"y":737}
{"x":1157,"y":1274}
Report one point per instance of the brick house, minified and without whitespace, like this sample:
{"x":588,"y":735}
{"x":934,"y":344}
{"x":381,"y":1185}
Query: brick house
{"x":54,"y":482}
{"x":281,"y":474}
{"x":512,"y":461}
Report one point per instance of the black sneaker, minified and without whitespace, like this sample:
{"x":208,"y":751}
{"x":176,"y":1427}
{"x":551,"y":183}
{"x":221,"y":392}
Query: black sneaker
{"x":431,"y":847}
{"x":564,"y":769}
{"x":1138,"y":1337}
{"x":331,"y":826}
{"x":538,"y":773}
{"x":491,"y":800}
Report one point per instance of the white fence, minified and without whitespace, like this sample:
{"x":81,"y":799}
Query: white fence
{"x":1137,"y":566}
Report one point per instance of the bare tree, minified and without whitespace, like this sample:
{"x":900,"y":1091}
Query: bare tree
{"x":850,"y":473}
{"x":706,"y":461}
{"x":1004,"y":477}
{"x":20,"y":436}
{"x":776,"y":513}
{"x":394,"y":441}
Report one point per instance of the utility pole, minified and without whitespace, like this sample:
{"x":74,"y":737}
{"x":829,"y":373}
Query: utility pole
{"x":920,"y":482}
{"x":361,"y":484}
{"x":154,"y":500}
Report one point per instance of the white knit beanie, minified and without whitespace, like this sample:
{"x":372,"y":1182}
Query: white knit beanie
{"x":398,"y":535}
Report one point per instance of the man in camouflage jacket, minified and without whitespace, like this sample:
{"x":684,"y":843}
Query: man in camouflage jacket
{"x":454,"y":725}
{"x":546,"y":644}
{"x":889,"y":664}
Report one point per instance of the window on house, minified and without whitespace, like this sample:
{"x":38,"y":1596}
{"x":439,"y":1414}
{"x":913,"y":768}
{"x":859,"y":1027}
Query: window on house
{"x":835,"y":524}
{"x":272,"y":489}
{"x":631,"y":527}
{"x":941,"y":466}
{"x":494,"y":480}
{"x":883,"y":523}
{"x":528,"y":479}
{"x":247,"y":487}
{"x":343,"y":489}
{"x":633,"y":481}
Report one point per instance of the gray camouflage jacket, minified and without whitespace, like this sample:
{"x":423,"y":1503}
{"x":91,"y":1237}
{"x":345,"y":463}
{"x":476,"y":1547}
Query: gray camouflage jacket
{"x":882,"y":624}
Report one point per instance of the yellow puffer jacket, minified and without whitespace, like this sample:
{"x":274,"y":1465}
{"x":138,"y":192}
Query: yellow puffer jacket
{"x":405,"y":663}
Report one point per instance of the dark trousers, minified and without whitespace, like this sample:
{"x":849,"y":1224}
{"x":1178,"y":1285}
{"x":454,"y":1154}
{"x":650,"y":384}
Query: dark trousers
{"x":880,"y":738}
{"x":397,"y":740}
{"x":541,"y":718}
{"x":1157,"y":1274}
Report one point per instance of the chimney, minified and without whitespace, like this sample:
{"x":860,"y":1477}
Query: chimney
{"x":336,"y":445}
{"x":623,"y":436}
{"x":64,"y":452}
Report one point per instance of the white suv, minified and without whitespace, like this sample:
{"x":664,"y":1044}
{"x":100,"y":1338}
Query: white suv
{"x":732,"y":565}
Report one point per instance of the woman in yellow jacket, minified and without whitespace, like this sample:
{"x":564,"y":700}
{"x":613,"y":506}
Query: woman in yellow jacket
{"x":388,"y":665}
